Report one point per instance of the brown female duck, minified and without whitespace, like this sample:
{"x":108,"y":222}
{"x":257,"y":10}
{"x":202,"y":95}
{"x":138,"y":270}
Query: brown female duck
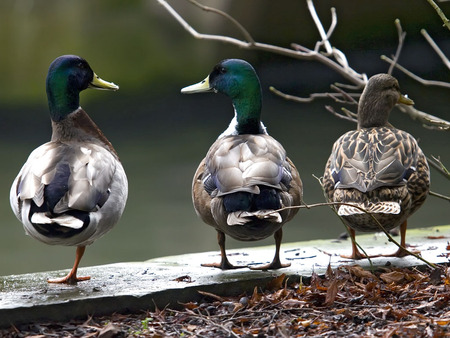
{"x":377,"y":167}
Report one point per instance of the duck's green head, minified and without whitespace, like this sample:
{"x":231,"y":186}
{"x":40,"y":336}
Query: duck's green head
{"x":67,"y":76}
{"x":238,"y":80}
{"x":381,"y":94}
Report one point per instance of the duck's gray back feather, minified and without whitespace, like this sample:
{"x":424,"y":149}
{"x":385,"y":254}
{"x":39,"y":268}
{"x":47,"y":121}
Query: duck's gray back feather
{"x":59,"y":179}
{"x":242,"y":162}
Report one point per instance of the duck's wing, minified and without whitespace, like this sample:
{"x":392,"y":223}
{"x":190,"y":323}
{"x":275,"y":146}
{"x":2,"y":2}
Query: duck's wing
{"x":242,"y":162}
{"x":367,"y":159}
{"x":59,"y":178}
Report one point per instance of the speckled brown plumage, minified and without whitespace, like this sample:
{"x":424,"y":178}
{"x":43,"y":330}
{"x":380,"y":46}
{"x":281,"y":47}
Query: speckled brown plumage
{"x":377,"y":167}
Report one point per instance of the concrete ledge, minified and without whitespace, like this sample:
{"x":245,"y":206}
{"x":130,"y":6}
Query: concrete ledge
{"x":135,"y":286}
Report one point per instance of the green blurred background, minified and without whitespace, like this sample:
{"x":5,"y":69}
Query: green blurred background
{"x":161,"y":135}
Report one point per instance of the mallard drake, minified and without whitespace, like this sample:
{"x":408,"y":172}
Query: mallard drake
{"x":73,"y":189}
{"x":246,"y":176}
{"x":377,"y":167}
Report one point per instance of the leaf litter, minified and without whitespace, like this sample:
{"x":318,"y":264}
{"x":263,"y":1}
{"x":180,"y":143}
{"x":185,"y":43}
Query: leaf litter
{"x":348,"y":301}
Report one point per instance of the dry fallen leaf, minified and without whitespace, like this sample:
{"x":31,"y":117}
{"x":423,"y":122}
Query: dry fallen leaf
{"x":392,"y":277}
{"x":403,"y":303}
{"x":331,"y":293}
{"x":358,"y":271}
{"x":276,"y":283}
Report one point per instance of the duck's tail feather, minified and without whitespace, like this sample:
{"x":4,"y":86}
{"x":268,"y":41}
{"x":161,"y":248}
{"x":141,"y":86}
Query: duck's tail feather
{"x":372,"y":208}
{"x":242,"y":217}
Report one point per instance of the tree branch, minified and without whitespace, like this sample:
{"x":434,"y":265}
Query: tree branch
{"x":347,"y":98}
{"x":401,"y":40}
{"x":414,"y":76}
{"x":435,"y":48}
{"x":439,"y":166}
{"x":427,"y":120}
{"x":440,"y":13}
{"x":241,"y":28}
{"x":339,"y":64}
{"x":307,"y":54}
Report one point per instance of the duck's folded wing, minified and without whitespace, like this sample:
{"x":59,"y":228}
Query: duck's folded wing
{"x":366,"y":161}
{"x":66,"y":177}
{"x":241,"y":162}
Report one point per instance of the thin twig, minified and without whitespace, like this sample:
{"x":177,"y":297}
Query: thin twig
{"x":431,"y":121}
{"x":241,"y":28}
{"x":311,"y":97}
{"x":349,"y":97}
{"x":324,"y":36}
{"x":401,"y":40}
{"x":344,"y":117}
{"x":436,"y":48}
{"x":350,"y":114}
{"x":439,"y":166}
{"x":440,"y":13}
{"x":350,"y":87}
{"x":435,"y":194}
{"x":414,"y":76}
{"x":333,"y":22}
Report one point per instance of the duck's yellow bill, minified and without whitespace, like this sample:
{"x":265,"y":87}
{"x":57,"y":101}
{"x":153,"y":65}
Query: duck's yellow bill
{"x":98,"y":83}
{"x":202,"y":86}
{"x":405,"y":100}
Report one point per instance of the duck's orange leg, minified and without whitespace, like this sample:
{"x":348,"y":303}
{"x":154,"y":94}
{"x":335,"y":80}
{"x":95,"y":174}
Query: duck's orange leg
{"x":71,"y":277}
{"x":224,"y":263}
{"x":276,"y":263}
{"x":401,"y":252}
{"x":356,"y":254}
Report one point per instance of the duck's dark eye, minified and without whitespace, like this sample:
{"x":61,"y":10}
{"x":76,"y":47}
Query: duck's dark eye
{"x":222,"y":70}
{"x":394,"y":86}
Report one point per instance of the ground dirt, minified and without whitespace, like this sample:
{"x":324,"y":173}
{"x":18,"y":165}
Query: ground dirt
{"x":348,"y":301}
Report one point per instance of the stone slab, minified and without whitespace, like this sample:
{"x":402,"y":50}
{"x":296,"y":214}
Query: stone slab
{"x":169,"y":281}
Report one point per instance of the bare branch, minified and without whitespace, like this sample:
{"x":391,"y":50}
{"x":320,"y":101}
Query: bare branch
{"x":306,"y":54}
{"x":414,"y":76}
{"x":313,"y":96}
{"x":401,"y":40}
{"x":426,"y":119}
{"x":339,"y":64}
{"x":440,"y":13}
{"x":333,"y":22}
{"x":349,"y":113}
{"x":324,"y":36}
{"x":435,"y":48}
{"x":348,"y":97}
{"x":350,"y":87}
{"x":344,"y":117}
{"x":435,"y":194}
{"x":439,"y":166}
{"x":241,"y":28}
{"x":198,"y":35}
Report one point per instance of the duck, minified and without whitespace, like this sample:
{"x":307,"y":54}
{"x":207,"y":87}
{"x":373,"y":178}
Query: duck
{"x":73,"y":189}
{"x":377,"y":168}
{"x":246,"y":187}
